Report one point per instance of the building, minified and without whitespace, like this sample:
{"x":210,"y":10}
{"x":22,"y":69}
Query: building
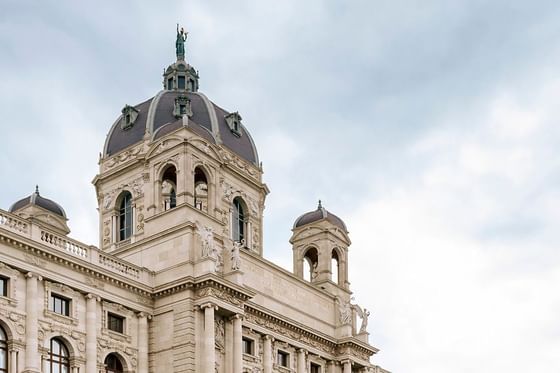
{"x":179,"y":282}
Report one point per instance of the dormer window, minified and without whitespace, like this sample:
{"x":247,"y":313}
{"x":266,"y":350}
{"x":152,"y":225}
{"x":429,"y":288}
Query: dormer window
{"x":170,"y":84}
{"x":234,"y":122}
{"x":129,"y":116}
{"x":182,"y":107}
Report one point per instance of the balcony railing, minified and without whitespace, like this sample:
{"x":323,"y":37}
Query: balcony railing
{"x":91,"y":254}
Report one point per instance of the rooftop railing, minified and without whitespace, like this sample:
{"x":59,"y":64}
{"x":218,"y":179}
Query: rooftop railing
{"x":91,"y":254}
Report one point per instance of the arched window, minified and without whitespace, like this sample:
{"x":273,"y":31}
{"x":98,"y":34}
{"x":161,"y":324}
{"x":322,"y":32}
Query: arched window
{"x":335,"y":267}
{"x":3,"y":351}
{"x":125,"y":216}
{"x":169,"y":188}
{"x":58,"y":360}
{"x":310,"y":263}
{"x":200,"y":190}
{"x":113,"y":364}
{"x":239,"y":220}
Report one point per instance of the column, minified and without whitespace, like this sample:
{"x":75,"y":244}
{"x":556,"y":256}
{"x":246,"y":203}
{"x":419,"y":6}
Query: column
{"x":31,"y":324}
{"x":301,"y":361}
{"x":237,"y":344}
{"x":267,"y":354}
{"x":229,"y":347}
{"x":114,"y":232}
{"x":330,"y":367}
{"x":91,"y":333}
{"x":209,"y":358}
{"x":13,"y":361}
{"x":346,"y":366}
{"x":142,"y":343}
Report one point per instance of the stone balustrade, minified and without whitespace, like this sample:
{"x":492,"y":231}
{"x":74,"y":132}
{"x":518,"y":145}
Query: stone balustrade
{"x":91,"y":254}
{"x":13,"y":222}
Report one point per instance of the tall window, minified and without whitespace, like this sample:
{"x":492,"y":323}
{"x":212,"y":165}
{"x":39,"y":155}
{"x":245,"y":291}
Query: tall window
{"x":3,"y":286}
{"x":125,"y":216}
{"x":113,"y":364}
{"x":283,"y":358}
{"x":3,"y":351}
{"x":315,"y":368}
{"x":169,"y":188}
{"x":115,"y":323}
{"x":335,"y":267}
{"x":310,"y":263}
{"x":58,"y":360}
{"x":238,"y":220}
{"x":200,"y":190}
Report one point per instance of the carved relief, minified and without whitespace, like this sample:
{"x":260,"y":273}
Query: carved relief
{"x":219,"y":332}
{"x":107,"y":345}
{"x":136,"y":187}
{"x":140,"y":220}
{"x":34,"y":260}
{"x":220,"y":294}
{"x":107,"y":231}
{"x":123,"y":157}
{"x":17,"y":320}
{"x":96,"y":283}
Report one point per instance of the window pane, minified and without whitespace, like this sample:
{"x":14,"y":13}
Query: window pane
{"x":3,"y":358}
{"x":3,"y":286}
{"x":181,"y":82}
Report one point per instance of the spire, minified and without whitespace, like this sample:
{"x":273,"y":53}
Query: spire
{"x":36,"y":189}
{"x":320,"y":205}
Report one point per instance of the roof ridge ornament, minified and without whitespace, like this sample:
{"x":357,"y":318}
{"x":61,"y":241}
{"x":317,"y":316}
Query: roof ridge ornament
{"x":320,"y":205}
{"x":180,"y":43}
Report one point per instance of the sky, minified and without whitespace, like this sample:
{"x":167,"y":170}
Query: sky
{"x":430,"y":127}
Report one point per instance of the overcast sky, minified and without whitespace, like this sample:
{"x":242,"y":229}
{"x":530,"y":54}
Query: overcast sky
{"x":430,"y":127}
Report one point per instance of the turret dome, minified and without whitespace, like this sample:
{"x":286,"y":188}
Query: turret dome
{"x":317,"y":215}
{"x":38,"y":200}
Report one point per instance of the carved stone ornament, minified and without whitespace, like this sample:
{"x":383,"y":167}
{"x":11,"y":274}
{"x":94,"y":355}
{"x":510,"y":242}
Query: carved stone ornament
{"x":220,"y":294}
{"x":123,"y":157}
{"x":16,"y":319}
{"x":34,"y":260}
{"x":219,"y":332}
{"x":129,"y":116}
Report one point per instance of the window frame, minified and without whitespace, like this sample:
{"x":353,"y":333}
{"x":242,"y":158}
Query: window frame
{"x":108,"y":369}
{"x":53,"y":298}
{"x":4,"y":348}
{"x":113,"y":316}
{"x":4,"y":286}
{"x":125,"y":218}
{"x":239,"y":220}
{"x":62,"y":360}
{"x":246,"y":341}
{"x":312,"y":365}
{"x":287,"y":357}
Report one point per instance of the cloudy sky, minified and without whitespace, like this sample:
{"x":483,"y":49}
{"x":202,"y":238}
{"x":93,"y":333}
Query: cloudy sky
{"x":429,"y":126}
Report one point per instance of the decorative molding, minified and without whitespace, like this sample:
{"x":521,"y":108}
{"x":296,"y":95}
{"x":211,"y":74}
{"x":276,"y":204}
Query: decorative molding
{"x":123,"y":157}
{"x":220,"y":294}
{"x":34,"y":260}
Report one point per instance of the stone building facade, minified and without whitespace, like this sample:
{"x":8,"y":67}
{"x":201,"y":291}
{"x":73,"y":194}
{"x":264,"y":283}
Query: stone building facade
{"x":178,"y":282}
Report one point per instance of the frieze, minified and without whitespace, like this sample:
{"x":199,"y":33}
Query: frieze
{"x":34,"y":260}
{"x":94,"y":282}
{"x":123,"y":157}
{"x":220,"y":294}
{"x":110,"y":345}
{"x":293,"y":333}
{"x":238,"y":164}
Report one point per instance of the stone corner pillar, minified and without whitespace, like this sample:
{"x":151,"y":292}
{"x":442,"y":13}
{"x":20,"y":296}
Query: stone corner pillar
{"x":209,"y":354}
{"x":143,"y":342}
{"x":346,"y":366}
{"x":237,"y":343}
{"x":301,"y":363}
{"x":267,"y":354}
{"x":32,"y":303}
{"x":91,"y":333}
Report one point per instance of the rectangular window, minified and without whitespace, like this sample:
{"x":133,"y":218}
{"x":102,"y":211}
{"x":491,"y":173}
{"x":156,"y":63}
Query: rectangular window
{"x":315,"y":368}
{"x":3,"y":286}
{"x":59,"y":304}
{"x":181,"y":81}
{"x":115,"y":323}
{"x":248,"y":346}
{"x":170,"y":84}
{"x":283,"y":358}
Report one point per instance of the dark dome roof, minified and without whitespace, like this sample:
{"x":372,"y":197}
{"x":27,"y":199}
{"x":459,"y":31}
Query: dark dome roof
{"x":156,"y":117}
{"x":319,"y":214}
{"x":36,"y":199}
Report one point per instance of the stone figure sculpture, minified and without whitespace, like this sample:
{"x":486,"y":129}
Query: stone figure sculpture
{"x":364,"y":315}
{"x":180,"y":43}
{"x":345,"y":311}
{"x":314,"y":271}
{"x":207,"y":240}
{"x":235,"y":255}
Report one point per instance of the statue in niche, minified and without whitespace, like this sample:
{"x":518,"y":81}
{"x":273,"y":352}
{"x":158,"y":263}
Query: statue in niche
{"x":180,"y":43}
{"x":207,"y":240}
{"x":364,"y":315}
{"x":345,"y":311}
{"x":314,"y":271}
{"x":235,"y":255}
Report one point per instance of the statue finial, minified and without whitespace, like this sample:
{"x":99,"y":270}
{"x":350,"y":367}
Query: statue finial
{"x":320,"y":205}
{"x":180,"y":43}
{"x":36,"y":189}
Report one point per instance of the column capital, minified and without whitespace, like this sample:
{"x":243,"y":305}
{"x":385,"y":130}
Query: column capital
{"x":237,"y":316}
{"x":268,"y":337}
{"x":209,"y":305}
{"x":93,"y":296}
{"x":33,"y":274}
{"x":146,"y":315}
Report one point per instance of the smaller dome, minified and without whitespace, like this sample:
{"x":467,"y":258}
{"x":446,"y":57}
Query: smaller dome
{"x":317,"y":215}
{"x":36,"y":199}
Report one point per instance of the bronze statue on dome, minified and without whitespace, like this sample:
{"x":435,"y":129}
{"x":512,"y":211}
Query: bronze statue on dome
{"x":180,"y":43}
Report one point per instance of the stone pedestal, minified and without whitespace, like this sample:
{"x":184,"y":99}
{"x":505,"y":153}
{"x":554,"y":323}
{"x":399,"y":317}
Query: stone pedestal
{"x":235,"y":276}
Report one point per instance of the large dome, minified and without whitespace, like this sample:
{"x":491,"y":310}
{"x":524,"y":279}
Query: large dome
{"x":156,"y":116}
